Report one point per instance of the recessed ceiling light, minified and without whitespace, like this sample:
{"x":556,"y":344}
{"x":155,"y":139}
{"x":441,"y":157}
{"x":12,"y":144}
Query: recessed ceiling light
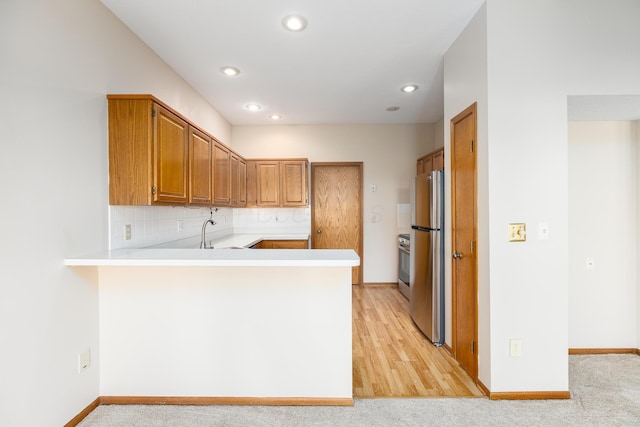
{"x":393,"y":108}
{"x":253,"y":107}
{"x":275,"y":116}
{"x":294,"y":23}
{"x":229,"y":71}
{"x":409,"y":88}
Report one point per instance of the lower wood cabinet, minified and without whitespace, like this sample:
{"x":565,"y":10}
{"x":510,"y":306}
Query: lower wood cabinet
{"x":281,"y":244}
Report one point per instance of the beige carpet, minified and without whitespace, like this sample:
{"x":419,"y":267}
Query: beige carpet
{"x":605,"y":391}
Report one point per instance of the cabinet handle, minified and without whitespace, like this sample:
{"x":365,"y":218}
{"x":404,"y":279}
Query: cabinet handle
{"x":318,"y":231}
{"x":457,"y":255}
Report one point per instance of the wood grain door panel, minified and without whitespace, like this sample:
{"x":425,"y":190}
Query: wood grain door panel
{"x":222,"y":174}
{"x":170,"y":153}
{"x":200,"y":167}
{"x":336,"y":209}
{"x":464,"y":266}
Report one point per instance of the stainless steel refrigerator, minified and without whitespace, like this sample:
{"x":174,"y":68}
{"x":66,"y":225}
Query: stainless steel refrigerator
{"x":426,"y":279}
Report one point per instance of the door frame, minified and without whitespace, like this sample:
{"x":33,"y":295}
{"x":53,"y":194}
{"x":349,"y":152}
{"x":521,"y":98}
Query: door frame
{"x":360,"y":166}
{"x":471,"y":110}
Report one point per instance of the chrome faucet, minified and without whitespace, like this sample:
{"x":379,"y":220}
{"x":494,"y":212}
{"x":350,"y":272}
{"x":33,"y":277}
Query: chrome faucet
{"x":203,"y":243}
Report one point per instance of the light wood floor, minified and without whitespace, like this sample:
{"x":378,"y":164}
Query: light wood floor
{"x":392,"y":358}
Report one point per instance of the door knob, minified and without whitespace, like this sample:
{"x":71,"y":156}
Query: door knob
{"x":457,"y":255}
{"x":318,"y":231}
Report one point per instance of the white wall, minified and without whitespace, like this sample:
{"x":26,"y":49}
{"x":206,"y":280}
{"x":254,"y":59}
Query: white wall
{"x":465,"y":82}
{"x":637,"y":140}
{"x":59,"y":60}
{"x":530,"y":74}
{"x":602,"y":226}
{"x":226,"y":331}
{"x":389,"y":153}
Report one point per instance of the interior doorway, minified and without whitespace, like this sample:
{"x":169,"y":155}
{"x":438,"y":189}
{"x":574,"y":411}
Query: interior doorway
{"x":337,"y":209}
{"x":464,"y":277}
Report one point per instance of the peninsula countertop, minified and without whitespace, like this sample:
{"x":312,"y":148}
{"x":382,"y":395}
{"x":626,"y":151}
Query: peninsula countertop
{"x":231,"y":251}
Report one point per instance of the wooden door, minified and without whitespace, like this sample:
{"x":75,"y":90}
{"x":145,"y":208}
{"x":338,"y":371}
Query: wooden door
{"x":221,"y":173}
{"x":170,"y":156}
{"x":464,"y":241}
{"x":200,"y":167}
{"x":336,"y":209}
{"x":294,"y":183}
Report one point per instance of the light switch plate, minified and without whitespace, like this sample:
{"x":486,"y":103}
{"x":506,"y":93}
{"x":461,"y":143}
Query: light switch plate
{"x":517,"y":232}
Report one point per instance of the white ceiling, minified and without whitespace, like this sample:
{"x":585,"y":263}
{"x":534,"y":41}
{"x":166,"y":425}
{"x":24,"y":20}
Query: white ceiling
{"x":347,"y":67}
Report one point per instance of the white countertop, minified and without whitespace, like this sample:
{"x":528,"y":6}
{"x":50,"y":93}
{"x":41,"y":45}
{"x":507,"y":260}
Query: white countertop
{"x":183,"y":253}
{"x":238,"y":240}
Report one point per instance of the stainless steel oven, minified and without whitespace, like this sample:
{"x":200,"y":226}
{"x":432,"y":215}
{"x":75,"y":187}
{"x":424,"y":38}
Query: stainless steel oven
{"x":404,"y":250}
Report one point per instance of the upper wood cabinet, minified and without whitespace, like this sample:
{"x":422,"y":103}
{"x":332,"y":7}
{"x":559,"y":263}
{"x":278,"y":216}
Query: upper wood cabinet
{"x":438,"y":160}
{"x":200,"y":167}
{"x":238,"y":179}
{"x":430,"y":162}
{"x":148,"y":153}
{"x":156,"y":156}
{"x":267,"y":183}
{"x":222,"y":173}
{"x":242,"y":183}
{"x":277,"y":182}
{"x":294,"y":188}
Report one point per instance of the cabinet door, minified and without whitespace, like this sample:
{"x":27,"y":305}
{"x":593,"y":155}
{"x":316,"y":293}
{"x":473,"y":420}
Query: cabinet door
{"x":427,"y":164}
{"x":234,"y":178}
{"x":170,"y":155}
{"x":294,"y":183}
{"x":420,"y":167}
{"x":200,"y":167}
{"x":290,"y":244}
{"x":252,"y":182}
{"x":221,"y":170}
{"x":268,"y":183}
{"x":242,"y":183}
{"x":438,"y":160}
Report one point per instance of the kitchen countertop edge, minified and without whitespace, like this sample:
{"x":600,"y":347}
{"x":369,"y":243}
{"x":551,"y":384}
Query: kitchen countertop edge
{"x":220,"y":258}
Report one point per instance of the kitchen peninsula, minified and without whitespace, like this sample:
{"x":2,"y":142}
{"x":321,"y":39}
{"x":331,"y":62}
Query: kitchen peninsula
{"x":233,"y":326}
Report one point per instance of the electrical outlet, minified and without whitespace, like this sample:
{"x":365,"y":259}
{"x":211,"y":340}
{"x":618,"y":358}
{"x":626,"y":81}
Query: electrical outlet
{"x":543,"y":231}
{"x":180,"y":225}
{"x":84,"y":360}
{"x":127,"y":232}
{"x":515,"y":348}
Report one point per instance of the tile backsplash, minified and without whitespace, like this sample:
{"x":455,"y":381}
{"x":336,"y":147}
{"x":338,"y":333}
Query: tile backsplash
{"x":153,"y":225}
{"x":272,"y":220}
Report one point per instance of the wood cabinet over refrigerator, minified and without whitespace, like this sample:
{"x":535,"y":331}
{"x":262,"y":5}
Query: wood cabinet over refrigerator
{"x":430,"y":162}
